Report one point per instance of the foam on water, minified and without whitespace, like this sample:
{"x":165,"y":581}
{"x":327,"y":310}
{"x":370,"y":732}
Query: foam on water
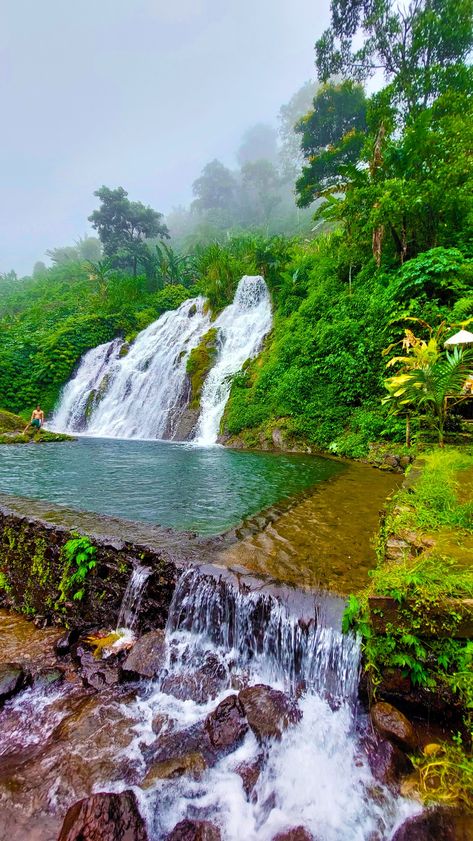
{"x":317,"y":775}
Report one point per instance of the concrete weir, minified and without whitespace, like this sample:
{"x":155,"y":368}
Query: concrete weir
{"x":34,"y":568}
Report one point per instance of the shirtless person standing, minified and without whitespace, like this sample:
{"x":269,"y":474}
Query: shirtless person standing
{"x":37,"y":419}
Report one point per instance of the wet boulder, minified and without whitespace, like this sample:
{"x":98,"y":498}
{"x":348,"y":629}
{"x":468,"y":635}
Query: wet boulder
{"x":438,"y":824}
{"x":95,"y":673}
{"x":104,"y":817}
{"x":226,"y":726}
{"x":12,"y":680}
{"x":195,"y":831}
{"x":387,"y":762}
{"x":391,"y":724}
{"x":190,"y":764}
{"x":146,"y":657}
{"x":268,"y":710}
{"x":249,"y":773}
{"x":298,"y":833}
{"x":48,"y":678}
{"x":64,"y":644}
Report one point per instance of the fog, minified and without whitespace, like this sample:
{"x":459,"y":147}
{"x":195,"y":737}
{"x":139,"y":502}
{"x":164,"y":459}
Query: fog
{"x":140,"y":94}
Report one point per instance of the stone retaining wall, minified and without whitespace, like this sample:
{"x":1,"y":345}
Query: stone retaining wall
{"x":32,"y":567}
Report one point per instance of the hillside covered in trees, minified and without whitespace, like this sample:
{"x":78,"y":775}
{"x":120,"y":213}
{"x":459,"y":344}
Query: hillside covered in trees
{"x":389,"y":178}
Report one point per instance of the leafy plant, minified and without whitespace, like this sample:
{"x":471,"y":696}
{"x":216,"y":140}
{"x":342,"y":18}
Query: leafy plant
{"x":79,"y":554}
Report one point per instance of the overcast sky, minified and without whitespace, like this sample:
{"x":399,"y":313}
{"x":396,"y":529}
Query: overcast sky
{"x":138,"y":93}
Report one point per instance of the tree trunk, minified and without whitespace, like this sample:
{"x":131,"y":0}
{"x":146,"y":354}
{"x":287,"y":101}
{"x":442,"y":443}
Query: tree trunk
{"x":408,"y":430}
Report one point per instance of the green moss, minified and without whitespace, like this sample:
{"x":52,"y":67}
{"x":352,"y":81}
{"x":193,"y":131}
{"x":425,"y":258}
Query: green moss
{"x":10,"y":422}
{"x":199,"y":364}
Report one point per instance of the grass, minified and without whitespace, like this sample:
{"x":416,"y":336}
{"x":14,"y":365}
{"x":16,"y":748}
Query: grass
{"x":435,"y":500}
{"x":445,"y":775}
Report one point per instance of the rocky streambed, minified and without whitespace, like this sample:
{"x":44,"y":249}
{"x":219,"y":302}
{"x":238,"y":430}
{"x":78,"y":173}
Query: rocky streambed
{"x":239,"y":720}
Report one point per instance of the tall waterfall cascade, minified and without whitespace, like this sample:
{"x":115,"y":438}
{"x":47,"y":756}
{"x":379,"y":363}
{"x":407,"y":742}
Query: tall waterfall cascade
{"x":139,"y":393}
{"x":241,"y":329}
{"x":142,"y":391}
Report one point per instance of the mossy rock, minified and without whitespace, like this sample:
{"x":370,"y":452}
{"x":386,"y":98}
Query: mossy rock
{"x":201,"y":360}
{"x":10,"y":422}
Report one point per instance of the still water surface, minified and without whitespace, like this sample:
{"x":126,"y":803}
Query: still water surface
{"x":175,"y":485}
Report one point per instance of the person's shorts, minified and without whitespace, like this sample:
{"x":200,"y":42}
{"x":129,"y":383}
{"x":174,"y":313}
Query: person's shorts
{"x":36,"y":423}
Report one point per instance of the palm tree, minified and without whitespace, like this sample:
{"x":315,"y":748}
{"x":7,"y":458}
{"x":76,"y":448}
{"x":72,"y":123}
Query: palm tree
{"x":431,"y":386}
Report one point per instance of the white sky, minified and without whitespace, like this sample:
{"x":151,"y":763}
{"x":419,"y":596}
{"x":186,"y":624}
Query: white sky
{"x":137,"y":93}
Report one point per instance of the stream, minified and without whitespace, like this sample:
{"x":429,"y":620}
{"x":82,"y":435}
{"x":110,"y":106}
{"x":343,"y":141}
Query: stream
{"x":63,"y":741}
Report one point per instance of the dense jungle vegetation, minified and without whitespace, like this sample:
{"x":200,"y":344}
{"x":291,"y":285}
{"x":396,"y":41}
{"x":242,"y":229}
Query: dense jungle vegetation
{"x":389,"y":178}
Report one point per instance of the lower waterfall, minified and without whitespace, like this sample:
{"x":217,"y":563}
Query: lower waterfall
{"x":316,"y":775}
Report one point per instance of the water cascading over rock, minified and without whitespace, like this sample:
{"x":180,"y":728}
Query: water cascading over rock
{"x":241,"y":329}
{"x":143,"y":391}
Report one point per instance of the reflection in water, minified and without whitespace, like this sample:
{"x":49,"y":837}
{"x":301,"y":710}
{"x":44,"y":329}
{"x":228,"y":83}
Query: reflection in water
{"x":327,"y":539}
{"x":186,"y":488}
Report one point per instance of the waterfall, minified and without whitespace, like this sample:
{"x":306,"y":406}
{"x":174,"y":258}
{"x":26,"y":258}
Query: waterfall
{"x":220,"y":638}
{"x":260,"y":630}
{"x":140,"y":393}
{"x":242,"y":327}
{"x":131,"y":602}
{"x":85,"y":388}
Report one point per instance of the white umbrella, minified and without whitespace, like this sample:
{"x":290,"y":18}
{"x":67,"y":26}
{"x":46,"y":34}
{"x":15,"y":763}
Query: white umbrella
{"x":463,"y":337}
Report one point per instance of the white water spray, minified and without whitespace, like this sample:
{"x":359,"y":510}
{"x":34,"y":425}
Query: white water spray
{"x":144,"y":391}
{"x":242,"y":327}
{"x":131,"y":602}
{"x":141,"y":394}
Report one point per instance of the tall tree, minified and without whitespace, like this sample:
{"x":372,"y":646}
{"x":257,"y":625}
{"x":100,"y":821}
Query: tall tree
{"x":215,"y":189}
{"x":259,"y":191}
{"x":290,"y":153}
{"x":332,"y":136}
{"x":123,"y":225}
{"x":418,"y":45}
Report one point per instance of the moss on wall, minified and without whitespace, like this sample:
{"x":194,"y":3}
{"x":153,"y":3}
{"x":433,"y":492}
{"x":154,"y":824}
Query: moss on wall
{"x":199,"y":364}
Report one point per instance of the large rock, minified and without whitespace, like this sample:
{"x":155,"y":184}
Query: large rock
{"x":436,"y":825}
{"x":48,"y":677}
{"x":64,"y":644}
{"x":195,"y":831}
{"x":146,"y":657}
{"x":226,"y":725}
{"x":12,"y":680}
{"x":391,"y":724}
{"x":299,"y":833}
{"x":268,"y":711}
{"x":104,"y":817}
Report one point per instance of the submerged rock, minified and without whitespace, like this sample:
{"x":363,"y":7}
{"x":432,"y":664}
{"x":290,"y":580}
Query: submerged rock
{"x":249,"y":773}
{"x":438,"y":824}
{"x":195,"y":831}
{"x":12,"y":679}
{"x":299,"y":833}
{"x":104,"y":817}
{"x":146,"y":658}
{"x":268,"y":711}
{"x":393,"y":725}
{"x":191,"y":764}
{"x":227,"y":725}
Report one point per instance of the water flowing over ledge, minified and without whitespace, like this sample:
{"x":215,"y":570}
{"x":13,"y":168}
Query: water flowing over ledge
{"x":143,"y":391}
